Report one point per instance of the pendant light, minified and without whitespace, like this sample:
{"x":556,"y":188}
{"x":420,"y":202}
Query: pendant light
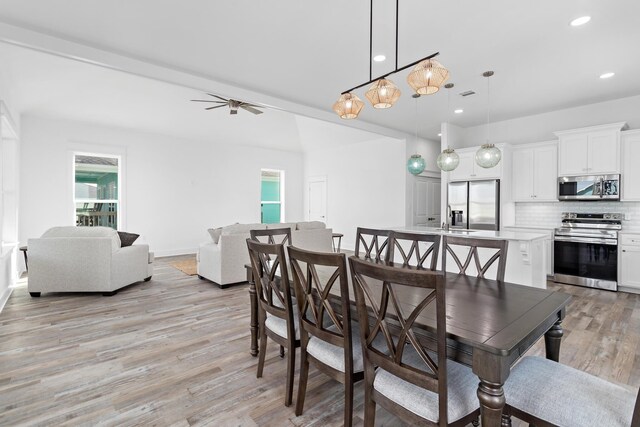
{"x":488,"y":155}
{"x":427,"y":77}
{"x":448,"y":160}
{"x":416,"y":164}
{"x":383,"y":94}
{"x":348,"y":106}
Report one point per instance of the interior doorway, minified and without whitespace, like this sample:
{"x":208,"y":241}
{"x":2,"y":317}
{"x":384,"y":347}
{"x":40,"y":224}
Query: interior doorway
{"x":318,"y":198}
{"x":426,"y":202}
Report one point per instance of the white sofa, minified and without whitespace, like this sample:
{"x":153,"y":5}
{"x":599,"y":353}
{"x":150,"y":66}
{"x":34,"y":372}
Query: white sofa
{"x":85,"y":259}
{"x":222,"y":261}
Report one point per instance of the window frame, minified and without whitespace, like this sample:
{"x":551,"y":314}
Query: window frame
{"x":281,"y":176}
{"x":118,"y":201}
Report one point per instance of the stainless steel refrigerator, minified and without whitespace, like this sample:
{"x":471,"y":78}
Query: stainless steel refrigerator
{"x":474,"y":205}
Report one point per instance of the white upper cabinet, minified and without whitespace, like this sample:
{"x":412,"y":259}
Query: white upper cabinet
{"x":590,"y":151}
{"x":630,"y":168}
{"x":468,"y":170}
{"x":535,"y":173}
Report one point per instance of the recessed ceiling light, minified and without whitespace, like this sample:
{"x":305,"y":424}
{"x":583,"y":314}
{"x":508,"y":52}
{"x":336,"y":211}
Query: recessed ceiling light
{"x":439,"y":134}
{"x":379,"y":58}
{"x":580,"y":21}
{"x":607,"y":75}
{"x":458,"y":111}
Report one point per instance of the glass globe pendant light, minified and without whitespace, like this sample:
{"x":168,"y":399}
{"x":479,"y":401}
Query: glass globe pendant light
{"x":448,"y":160}
{"x":488,"y":155}
{"x":383,"y":94}
{"x":348,"y":106}
{"x":416,"y":164}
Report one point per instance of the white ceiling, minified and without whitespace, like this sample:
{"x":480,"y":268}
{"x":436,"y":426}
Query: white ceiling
{"x":308,"y":52}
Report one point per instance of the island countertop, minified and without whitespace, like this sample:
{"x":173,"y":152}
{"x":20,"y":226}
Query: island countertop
{"x":475,"y":234}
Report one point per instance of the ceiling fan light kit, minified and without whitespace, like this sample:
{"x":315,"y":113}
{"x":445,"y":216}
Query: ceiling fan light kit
{"x":426,"y":78}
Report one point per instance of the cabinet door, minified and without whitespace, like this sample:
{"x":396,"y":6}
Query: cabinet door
{"x":523,"y":173}
{"x":574,"y":152}
{"x":604,"y":153}
{"x":630,"y":169}
{"x":464,"y":171}
{"x":545,"y":171}
{"x":630,"y":266}
{"x":487,"y":173}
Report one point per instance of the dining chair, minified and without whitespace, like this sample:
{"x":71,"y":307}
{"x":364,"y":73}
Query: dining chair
{"x":473,"y":245}
{"x":546,"y":393}
{"x":282,"y":235}
{"x":414,"y":250}
{"x":277,"y":316}
{"x":374,"y":243}
{"x":414,"y":380}
{"x":328,"y":339}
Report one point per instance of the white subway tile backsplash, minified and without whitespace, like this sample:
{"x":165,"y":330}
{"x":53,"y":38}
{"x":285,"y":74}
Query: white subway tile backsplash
{"x":548,"y":214}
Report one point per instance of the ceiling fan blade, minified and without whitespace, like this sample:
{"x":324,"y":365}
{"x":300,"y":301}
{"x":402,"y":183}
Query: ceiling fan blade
{"x":219,"y":97}
{"x":216,"y":106}
{"x":206,"y":100}
{"x":250,"y":109}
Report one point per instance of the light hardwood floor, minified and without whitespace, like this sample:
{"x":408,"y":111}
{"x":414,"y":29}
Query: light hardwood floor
{"x":175,"y":352}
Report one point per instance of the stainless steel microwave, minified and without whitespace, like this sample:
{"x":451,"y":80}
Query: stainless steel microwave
{"x":590,"y":187}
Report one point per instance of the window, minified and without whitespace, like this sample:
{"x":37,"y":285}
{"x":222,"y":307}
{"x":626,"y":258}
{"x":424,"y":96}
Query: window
{"x":96,"y":190}
{"x":272,"y":196}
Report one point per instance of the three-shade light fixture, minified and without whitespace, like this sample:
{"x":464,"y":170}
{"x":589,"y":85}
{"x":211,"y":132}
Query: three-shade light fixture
{"x":426,"y":78}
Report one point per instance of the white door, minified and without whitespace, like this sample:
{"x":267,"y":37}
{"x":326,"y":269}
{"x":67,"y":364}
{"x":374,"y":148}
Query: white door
{"x":318,"y":199}
{"x":426,"y":202}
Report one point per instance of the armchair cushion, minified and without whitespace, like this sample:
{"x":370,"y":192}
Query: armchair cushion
{"x":74,"y":231}
{"x":311,"y":225}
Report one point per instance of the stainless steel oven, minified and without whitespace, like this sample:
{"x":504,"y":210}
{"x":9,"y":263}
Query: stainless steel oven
{"x":586,"y":250}
{"x":590,"y":187}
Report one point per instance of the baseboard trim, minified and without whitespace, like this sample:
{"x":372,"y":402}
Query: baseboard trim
{"x":5,"y":297}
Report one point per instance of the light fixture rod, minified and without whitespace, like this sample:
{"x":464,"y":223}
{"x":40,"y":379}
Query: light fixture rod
{"x":370,"y":42}
{"x":397,"y":2}
{"x":433,"y":55}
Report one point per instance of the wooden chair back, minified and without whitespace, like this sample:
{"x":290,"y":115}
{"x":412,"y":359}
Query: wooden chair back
{"x":375,"y":244}
{"x":271,"y":277}
{"x":315,"y":275}
{"x":272,"y":235}
{"x":414,"y":249}
{"x":381,"y":312}
{"x":474,"y":244}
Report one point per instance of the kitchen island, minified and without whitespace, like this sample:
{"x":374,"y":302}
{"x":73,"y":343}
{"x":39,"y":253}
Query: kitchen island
{"x":526,"y":257}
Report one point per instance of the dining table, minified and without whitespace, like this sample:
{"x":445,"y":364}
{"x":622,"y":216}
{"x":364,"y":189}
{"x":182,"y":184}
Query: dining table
{"x":490,"y":325}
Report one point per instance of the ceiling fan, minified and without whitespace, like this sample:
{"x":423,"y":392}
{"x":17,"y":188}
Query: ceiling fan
{"x":233,"y":104}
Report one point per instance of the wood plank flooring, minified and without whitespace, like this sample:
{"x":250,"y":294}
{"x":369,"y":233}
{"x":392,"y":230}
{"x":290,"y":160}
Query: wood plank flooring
{"x":175,"y":352}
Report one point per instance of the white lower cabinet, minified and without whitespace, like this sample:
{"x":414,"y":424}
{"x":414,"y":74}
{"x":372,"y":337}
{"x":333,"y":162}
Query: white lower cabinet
{"x":547,"y":243}
{"x":629,"y":261}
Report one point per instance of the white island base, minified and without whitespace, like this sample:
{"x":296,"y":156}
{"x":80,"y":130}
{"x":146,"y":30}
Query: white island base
{"x":526,"y":257}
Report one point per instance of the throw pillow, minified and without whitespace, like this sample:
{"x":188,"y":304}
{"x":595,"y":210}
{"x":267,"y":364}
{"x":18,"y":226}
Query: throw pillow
{"x":215,"y":234}
{"x":127,"y":239}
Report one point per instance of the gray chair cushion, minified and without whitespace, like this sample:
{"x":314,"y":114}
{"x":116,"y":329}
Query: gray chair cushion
{"x":279,"y":326}
{"x":462,"y":388}
{"x":333,"y":356}
{"x":566,"y":396}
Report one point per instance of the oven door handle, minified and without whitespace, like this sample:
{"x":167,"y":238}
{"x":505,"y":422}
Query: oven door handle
{"x":610,"y":242}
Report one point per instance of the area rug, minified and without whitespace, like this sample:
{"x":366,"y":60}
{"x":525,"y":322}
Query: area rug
{"x":187,"y":266}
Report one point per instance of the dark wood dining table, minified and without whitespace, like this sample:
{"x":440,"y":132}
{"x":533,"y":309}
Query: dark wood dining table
{"x":490,"y":325}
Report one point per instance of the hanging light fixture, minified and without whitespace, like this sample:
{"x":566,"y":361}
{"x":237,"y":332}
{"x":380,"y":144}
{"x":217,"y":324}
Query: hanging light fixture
{"x":427,"y":77}
{"x":416,"y":164}
{"x":383,"y":94}
{"x":488,"y":155}
{"x":448,"y":160}
{"x":348,"y":106}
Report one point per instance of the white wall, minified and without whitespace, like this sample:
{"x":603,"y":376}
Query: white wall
{"x":540,"y":127}
{"x":365,"y":185}
{"x":174,"y":188}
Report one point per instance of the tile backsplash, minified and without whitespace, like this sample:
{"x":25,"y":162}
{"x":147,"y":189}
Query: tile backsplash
{"x":548,"y":214}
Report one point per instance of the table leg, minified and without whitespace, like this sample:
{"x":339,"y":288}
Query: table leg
{"x":552,"y":340}
{"x":491,"y":397}
{"x":253,"y":325}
